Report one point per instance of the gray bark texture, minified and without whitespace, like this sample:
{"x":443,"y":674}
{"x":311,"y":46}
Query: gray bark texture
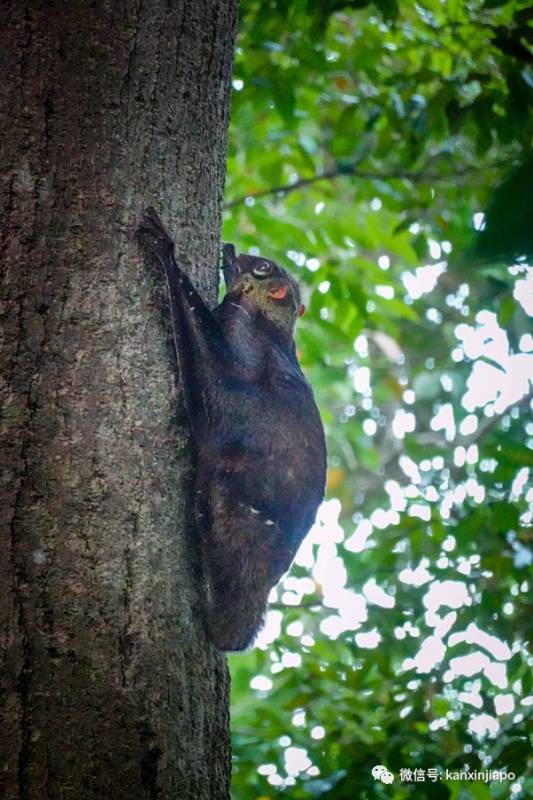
{"x":108,"y":686}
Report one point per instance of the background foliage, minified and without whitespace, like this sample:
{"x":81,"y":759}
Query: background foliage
{"x":366,"y":141}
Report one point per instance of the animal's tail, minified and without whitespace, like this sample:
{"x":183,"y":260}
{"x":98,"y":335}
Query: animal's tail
{"x":245,"y":556}
{"x":239,"y":584}
{"x":233,"y":622}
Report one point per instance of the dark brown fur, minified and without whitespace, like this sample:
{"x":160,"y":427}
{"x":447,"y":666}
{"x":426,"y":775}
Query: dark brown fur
{"x":260,"y":443}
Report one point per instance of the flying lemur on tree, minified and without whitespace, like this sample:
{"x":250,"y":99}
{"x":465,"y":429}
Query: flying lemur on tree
{"x":261,"y":452}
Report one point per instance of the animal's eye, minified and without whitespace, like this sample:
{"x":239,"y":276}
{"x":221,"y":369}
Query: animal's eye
{"x":263,"y":270}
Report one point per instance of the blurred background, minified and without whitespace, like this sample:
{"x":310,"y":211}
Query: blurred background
{"x":381,"y":151}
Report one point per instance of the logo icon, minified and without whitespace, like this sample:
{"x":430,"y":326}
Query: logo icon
{"x":381,"y":773}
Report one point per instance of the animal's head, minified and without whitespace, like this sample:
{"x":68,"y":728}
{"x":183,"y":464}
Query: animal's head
{"x":261,"y":286}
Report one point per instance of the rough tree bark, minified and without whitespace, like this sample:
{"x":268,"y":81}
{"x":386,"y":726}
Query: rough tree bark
{"x":109,"y":688}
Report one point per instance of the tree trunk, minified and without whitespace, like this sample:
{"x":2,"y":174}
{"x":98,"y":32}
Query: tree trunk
{"x":109,"y":688}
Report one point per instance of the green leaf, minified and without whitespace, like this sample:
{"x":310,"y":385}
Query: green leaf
{"x":508,"y":231}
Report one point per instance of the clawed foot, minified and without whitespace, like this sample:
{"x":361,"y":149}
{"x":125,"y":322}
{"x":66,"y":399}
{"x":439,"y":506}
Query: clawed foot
{"x":153,"y":237}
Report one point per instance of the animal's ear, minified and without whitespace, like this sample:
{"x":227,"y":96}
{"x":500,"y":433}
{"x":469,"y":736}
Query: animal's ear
{"x":230,"y":265}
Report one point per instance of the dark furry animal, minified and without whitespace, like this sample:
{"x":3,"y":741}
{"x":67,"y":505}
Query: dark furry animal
{"x":261,"y":453}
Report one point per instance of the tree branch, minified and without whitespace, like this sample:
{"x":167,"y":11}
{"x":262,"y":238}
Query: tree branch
{"x":492,"y":422}
{"x":422,"y":176}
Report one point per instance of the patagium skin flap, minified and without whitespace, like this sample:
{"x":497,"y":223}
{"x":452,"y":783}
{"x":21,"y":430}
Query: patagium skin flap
{"x":261,"y":452}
